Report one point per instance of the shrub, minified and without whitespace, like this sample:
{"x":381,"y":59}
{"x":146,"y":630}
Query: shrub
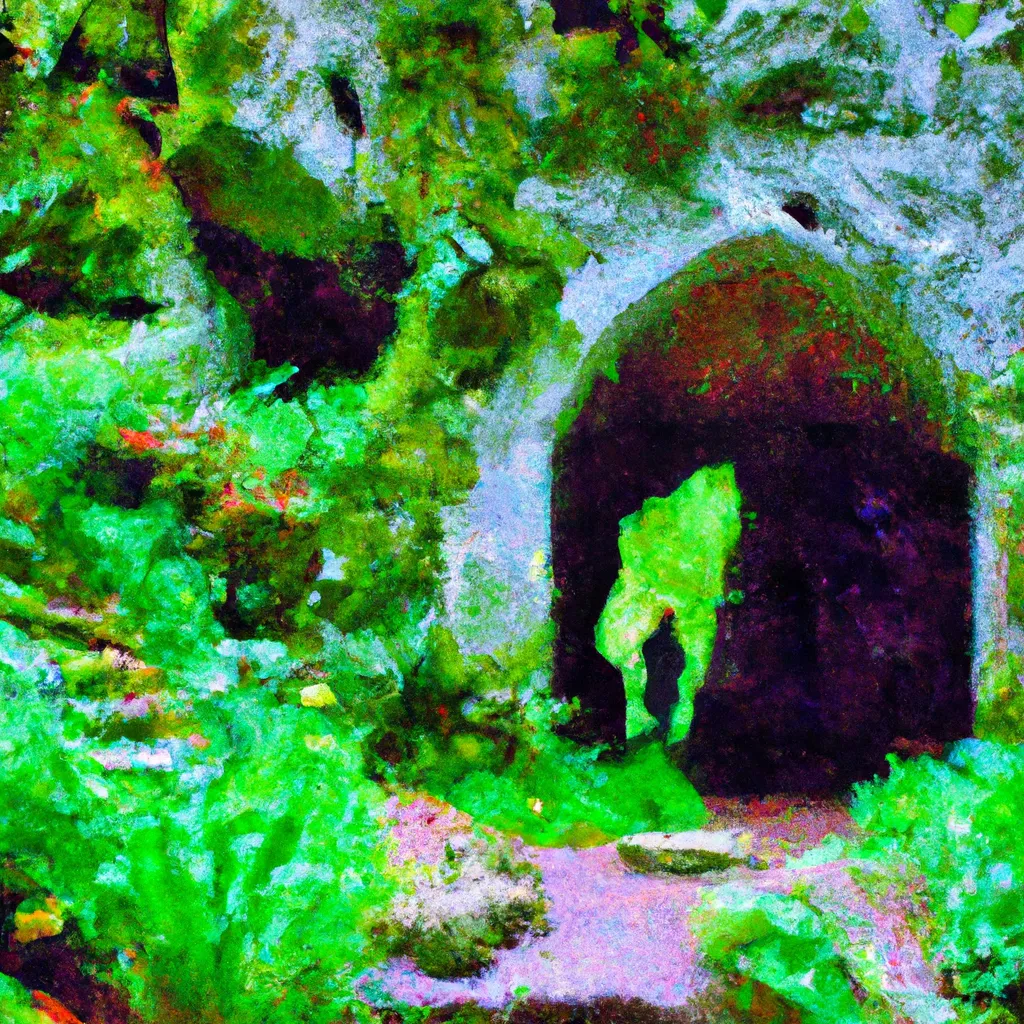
{"x":956,"y":823}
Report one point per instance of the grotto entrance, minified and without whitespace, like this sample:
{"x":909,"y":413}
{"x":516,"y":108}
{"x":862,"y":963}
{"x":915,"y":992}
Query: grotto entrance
{"x":852,"y":635}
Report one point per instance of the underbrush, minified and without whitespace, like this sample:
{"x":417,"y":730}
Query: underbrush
{"x":943,"y":837}
{"x":482,"y":732}
{"x":956,"y":824}
{"x":242,"y":882}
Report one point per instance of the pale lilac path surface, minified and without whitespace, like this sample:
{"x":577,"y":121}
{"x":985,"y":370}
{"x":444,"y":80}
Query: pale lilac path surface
{"x":612,"y":933}
{"x":615,"y":933}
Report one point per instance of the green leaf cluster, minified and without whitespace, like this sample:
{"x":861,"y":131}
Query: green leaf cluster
{"x":956,"y":823}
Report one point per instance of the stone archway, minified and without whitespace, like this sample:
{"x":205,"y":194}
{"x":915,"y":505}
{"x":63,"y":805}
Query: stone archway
{"x":854,"y":632}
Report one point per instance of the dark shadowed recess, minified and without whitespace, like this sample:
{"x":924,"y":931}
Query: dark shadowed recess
{"x":299,"y":312}
{"x":803,"y":208}
{"x":148,"y":130}
{"x":40,"y":291}
{"x":54,"y":966}
{"x":664,"y":660}
{"x":115,"y":479}
{"x":52,"y":291}
{"x":150,"y":79}
{"x":598,"y":16}
{"x":298,"y":309}
{"x":574,"y":14}
{"x":854,"y":632}
{"x":346,"y":103}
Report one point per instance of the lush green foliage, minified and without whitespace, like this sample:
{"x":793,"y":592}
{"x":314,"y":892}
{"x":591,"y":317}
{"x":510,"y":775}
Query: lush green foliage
{"x":479,"y":732}
{"x":787,"y":946}
{"x":220,"y":582}
{"x":236,"y":879}
{"x":956,"y":822}
{"x":944,"y":835}
{"x":193,"y":547}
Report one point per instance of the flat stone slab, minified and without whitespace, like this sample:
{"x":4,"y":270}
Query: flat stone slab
{"x":681,"y":853}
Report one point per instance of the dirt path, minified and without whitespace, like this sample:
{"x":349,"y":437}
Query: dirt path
{"x":618,"y":934}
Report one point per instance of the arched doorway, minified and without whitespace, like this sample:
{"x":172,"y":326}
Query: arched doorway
{"x":853,"y":634}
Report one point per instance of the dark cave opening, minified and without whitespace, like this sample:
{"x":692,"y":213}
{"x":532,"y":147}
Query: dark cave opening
{"x":575,"y":14}
{"x":299,"y":310}
{"x":346,"y":104}
{"x":854,"y":631}
{"x":803,"y":212}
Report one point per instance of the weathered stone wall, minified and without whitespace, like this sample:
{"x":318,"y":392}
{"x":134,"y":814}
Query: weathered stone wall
{"x":500,"y":541}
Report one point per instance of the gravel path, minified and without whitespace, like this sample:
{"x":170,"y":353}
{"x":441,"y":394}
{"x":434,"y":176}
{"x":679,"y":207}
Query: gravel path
{"x":618,"y":934}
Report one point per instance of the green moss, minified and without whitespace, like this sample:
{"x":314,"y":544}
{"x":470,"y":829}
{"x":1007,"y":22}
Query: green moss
{"x":673,"y":862}
{"x":646,"y":119}
{"x":997,"y":165}
{"x":492,"y":313}
{"x":811,"y":97}
{"x":949,"y":68}
{"x":455,"y":133}
{"x":962,"y":18}
{"x":464,"y":946}
{"x":856,"y":20}
{"x":213,"y":47}
{"x":713,"y":9}
{"x":262,"y":192}
{"x":1007,"y":48}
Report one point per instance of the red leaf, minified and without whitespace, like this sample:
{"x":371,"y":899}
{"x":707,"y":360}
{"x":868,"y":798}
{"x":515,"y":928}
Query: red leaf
{"x":139,"y":440}
{"x":56,"y":1011}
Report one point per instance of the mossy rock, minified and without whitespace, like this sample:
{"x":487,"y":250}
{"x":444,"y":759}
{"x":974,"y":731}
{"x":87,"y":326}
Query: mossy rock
{"x":480,"y":896}
{"x":681,"y":853}
{"x":464,"y":946}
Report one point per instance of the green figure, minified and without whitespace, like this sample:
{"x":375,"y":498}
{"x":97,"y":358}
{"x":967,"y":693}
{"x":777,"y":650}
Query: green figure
{"x":674,"y":552}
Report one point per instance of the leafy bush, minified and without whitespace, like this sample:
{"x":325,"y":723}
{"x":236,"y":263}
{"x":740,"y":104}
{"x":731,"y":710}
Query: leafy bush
{"x":482,"y":733}
{"x":784,"y":945}
{"x":243,"y":882}
{"x":957,"y":823}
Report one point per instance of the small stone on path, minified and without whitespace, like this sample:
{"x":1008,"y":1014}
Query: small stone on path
{"x":681,"y":853}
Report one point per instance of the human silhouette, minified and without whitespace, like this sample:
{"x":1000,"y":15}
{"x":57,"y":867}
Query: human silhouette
{"x":664,"y":660}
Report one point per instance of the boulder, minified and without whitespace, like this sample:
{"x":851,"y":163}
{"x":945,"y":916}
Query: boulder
{"x":465,"y":891}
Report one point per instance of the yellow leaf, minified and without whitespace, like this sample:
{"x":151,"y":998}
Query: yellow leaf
{"x":42,"y":923}
{"x":319,"y":695}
